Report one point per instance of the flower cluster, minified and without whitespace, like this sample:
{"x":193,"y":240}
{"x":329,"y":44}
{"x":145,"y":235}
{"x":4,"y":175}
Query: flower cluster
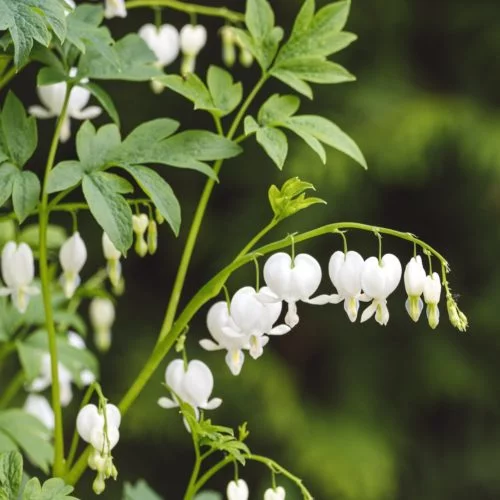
{"x":99,"y":428}
{"x":238,"y":490}
{"x":250,"y":317}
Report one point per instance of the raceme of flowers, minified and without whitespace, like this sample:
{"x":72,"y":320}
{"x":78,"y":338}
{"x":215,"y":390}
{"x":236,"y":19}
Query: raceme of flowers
{"x":99,"y":427}
{"x":251,"y":316}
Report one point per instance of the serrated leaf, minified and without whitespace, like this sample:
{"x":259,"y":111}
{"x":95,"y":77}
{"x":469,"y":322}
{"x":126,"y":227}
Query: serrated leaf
{"x":53,"y":489}
{"x":289,"y":78}
{"x":11,"y":474}
{"x":29,"y":21}
{"x":275,"y":144}
{"x":96,"y":148}
{"x":19,"y":132}
{"x":84,"y":33}
{"x":225,"y":93}
{"x":8,"y":173}
{"x":191,"y":87}
{"x":136,"y":62}
{"x":140,"y":491}
{"x":64,"y":175}
{"x":278,"y":108}
{"x":317,"y":70}
{"x":30,"y":435}
{"x":25,"y":194}
{"x":109,"y":209}
{"x":160,"y":193}
{"x":104,"y":100}
{"x":327,"y":132}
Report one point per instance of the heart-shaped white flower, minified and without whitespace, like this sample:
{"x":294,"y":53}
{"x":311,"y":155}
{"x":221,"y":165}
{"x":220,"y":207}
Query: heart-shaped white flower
{"x":72,"y":256}
{"x":237,"y":490}
{"x":414,"y":279}
{"x":192,"y":39}
{"x":163,"y":41}
{"x":93,"y":428}
{"x":277,"y":494}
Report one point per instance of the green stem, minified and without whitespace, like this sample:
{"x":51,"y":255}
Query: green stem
{"x":191,"y":488}
{"x":189,"y":8}
{"x":46,"y":295}
{"x":212,"y":471}
{"x":257,"y":238}
{"x":12,"y":389}
{"x":6,"y":349}
{"x":8,"y":76}
{"x":197,"y":221}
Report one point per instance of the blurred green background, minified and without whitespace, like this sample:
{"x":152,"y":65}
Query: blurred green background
{"x":360,"y":412}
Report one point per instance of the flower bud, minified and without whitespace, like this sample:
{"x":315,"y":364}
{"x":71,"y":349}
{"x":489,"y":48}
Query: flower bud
{"x":112,"y":255}
{"x":102,"y":317}
{"x":140,"y":224}
{"x":115,"y":8}
{"x":414,"y":279}
{"x":432,"y":294}
{"x":246,"y":58}
{"x":192,"y":40}
{"x":72,"y":256}
{"x":159,"y":217}
{"x":99,"y":485}
{"x":228,"y":46}
{"x":457,"y":318}
{"x":152,"y":237}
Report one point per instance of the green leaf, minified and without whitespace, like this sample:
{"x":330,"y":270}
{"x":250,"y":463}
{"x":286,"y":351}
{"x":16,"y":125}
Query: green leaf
{"x":25,"y":194}
{"x":289,"y":78}
{"x":140,"y":491}
{"x":51,"y":75}
{"x":29,"y":21}
{"x":208,"y":495}
{"x":160,"y":193}
{"x":109,"y":209}
{"x":30,"y":435}
{"x":7,"y":175}
{"x":84,"y":33}
{"x":278,"y":108}
{"x":191,"y":87}
{"x":64,"y":175}
{"x":117,"y":183}
{"x":250,"y":125}
{"x":136,"y":62}
{"x":327,"y":132}
{"x":75,"y":360}
{"x":304,"y":17}
{"x":275,"y":144}
{"x":317,"y":70}
{"x":19,"y":131}
{"x":259,"y":18}
{"x":56,"y":236}
{"x":53,"y":489}
{"x":11,"y":474}
{"x":96,"y":149}
{"x":104,"y":100}
{"x":225,"y":93}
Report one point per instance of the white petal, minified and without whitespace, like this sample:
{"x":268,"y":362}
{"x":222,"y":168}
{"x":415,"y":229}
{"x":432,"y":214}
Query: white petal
{"x":414,"y":276}
{"x":174,"y":376}
{"x":235,"y":360}
{"x":212,"y":404}
{"x":393,"y":270}
{"x":279,"y":330}
{"x":65,"y":130}
{"x":369,"y":312}
{"x":40,"y":112}
{"x":351,"y":307}
{"x":321,"y":300}
{"x":73,"y":254}
{"x":210,"y":345}
{"x":373,"y":279}
{"x":167,"y":403}
{"x":292,"y":318}
{"x":88,"y":418}
{"x":237,"y":490}
{"x":192,"y":39}
{"x":198,"y":383}
{"x":40,"y":408}
{"x":87,"y":114}
{"x":349,"y":275}
{"x":275,"y":494}
{"x":113,"y":415}
{"x":432,"y":289}
{"x":335,"y":263}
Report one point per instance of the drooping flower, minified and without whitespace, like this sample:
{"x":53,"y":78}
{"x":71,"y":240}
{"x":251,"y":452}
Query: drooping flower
{"x":345,"y":273}
{"x":275,"y":494}
{"x":255,"y":316}
{"x":112,"y":255}
{"x":292,"y":281}
{"x":39,"y":407}
{"x":140,"y":225}
{"x":100,"y":430}
{"x":228,"y":45}
{"x":193,"y":386}
{"x":432,"y":294}
{"x":18,"y":272}
{"x":237,"y":490}
{"x":192,"y":40}
{"x":102,"y":317}
{"x":52,"y":97}
{"x":114,"y":8}
{"x":379,"y":280}
{"x":152,"y":237}
{"x":227,"y":336}
{"x":414,"y":279}
{"x":72,"y":256}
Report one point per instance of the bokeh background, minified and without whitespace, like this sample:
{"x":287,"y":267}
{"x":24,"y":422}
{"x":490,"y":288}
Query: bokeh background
{"x":361,"y":412}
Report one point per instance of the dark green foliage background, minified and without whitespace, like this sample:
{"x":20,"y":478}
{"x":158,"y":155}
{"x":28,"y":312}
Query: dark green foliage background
{"x":360,"y":412}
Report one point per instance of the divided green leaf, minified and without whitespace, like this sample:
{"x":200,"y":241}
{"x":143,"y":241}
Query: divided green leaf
{"x":96,"y":148}
{"x":64,"y":175}
{"x":8,"y":174}
{"x":29,"y":21}
{"x":53,"y":489}
{"x":140,"y":491}
{"x":191,"y":87}
{"x":225,"y":93}
{"x":275,"y":144}
{"x":11,"y":474}
{"x":25,"y":193}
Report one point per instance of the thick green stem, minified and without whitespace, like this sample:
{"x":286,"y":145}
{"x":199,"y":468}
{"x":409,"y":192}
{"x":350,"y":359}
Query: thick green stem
{"x":191,"y":488}
{"x":189,"y":8}
{"x":47,"y":299}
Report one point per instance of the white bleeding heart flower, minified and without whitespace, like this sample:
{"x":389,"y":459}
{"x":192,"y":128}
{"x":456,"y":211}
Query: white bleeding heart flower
{"x":432,"y":295}
{"x":291,"y":281}
{"x":379,"y":280}
{"x":193,"y":385}
{"x":275,"y":494}
{"x":39,"y":407}
{"x":112,"y":255}
{"x":414,"y":279}
{"x":72,"y":256}
{"x":163,"y":41}
{"x":102,"y":316}
{"x":18,"y":272}
{"x":237,"y":490}
{"x":227,"y":336}
{"x":114,"y":8}
{"x":192,"y":40}
{"x":52,"y":97}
